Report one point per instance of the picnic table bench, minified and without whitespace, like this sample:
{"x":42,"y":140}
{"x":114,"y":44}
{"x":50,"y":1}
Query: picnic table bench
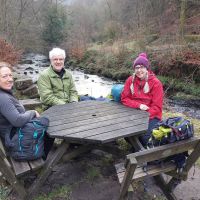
{"x":133,"y":169}
{"x":91,"y":124}
{"x":14,"y":171}
{"x":95,"y":124}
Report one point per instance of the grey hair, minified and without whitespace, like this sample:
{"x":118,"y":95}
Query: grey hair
{"x":5,"y":64}
{"x":56,"y":52}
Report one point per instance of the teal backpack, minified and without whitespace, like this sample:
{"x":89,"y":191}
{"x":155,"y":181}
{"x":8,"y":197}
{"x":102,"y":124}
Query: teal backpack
{"x":28,"y":141}
{"x":116,"y":92}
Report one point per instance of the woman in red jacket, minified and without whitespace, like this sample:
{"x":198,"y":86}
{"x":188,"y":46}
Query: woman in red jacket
{"x":144,"y":91}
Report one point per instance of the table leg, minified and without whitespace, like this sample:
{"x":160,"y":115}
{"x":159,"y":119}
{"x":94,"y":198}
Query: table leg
{"x":134,"y":141}
{"x":47,"y":168}
{"x":76,"y":152}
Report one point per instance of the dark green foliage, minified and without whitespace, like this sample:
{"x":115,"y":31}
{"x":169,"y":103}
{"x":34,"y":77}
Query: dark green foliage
{"x":55,"y":25}
{"x":175,"y":85}
{"x":119,"y":67}
{"x":192,"y":38}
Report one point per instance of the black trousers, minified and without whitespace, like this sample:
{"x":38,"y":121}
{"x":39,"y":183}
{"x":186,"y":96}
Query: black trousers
{"x":48,"y":143}
{"x":145,"y":138}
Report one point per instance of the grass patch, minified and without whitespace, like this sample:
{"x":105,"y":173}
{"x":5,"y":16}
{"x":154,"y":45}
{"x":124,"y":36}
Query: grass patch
{"x":123,"y":145}
{"x":60,"y":193}
{"x":107,"y":160}
{"x":92,"y":174}
{"x":4,"y":191}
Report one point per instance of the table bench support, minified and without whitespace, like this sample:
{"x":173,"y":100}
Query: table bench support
{"x":133,"y":169}
{"x":50,"y":163}
{"x":10,"y":177}
{"x":165,"y":187}
{"x":128,"y":177}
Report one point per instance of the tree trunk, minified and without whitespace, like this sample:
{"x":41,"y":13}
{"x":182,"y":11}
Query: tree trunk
{"x":182,"y":19}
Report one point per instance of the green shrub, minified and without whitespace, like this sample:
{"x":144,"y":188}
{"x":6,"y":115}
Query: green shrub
{"x":192,"y":38}
{"x":151,"y":38}
{"x":107,"y":73}
{"x":180,"y":85}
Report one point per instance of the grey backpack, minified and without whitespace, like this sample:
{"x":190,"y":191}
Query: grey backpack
{"x":28,"y":141}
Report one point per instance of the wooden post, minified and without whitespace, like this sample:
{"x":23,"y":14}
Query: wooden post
{"x":163,"y":186}
{"x":47,"y":168}
{"x":10,"y":176}
{"x":130,"y":169}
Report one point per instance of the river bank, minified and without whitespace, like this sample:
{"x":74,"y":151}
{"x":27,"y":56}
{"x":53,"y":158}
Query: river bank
{"x":95,"y":85}
{"x":92,"y":175}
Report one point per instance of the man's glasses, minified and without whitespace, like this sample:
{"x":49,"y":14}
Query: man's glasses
{"x":58,"y":59}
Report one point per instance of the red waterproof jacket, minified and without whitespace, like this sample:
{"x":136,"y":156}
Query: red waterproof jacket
{"x":153,"y":99}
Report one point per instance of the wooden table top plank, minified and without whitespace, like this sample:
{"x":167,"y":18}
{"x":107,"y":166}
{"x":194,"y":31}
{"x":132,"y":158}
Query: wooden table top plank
{"x":95,"y":123}
{"x":84,"y":112}
{"x":71,"y":123}
{"x":99,"y":130}
{"x":76,"y":117}
{"x":81,"y":110}
{"x":109,"y":136}
{"x":67,"y":120}
{"x":70,"y":107}
{"x":80,"y":107}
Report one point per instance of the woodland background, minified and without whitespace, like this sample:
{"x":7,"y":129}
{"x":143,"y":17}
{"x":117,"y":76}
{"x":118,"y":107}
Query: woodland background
{"x":104,"y":36}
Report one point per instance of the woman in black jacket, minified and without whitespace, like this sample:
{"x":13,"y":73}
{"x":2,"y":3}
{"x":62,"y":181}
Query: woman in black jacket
{"x":12,"y":113}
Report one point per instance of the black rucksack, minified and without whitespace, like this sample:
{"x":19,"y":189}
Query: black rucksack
{"x":28,"y":141}
{"x":171,"y":130}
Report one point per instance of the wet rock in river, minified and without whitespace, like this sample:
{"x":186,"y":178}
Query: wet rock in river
{"x":31,"y":104}
{"x":24,"y":83}
{"x":31,"y":91}
{"x":26,"y":62}
{"x":86,"y":76}
{"x":29,"y":68}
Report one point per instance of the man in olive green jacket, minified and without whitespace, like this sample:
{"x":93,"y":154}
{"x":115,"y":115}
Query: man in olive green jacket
{"x":55,"y":83}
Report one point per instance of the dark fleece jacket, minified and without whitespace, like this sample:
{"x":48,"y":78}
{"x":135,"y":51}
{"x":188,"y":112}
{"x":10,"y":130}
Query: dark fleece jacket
{"x":12,"y":113}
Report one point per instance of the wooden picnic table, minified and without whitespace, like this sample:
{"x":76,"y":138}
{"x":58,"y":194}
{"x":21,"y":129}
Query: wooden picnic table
{"x":95,"y":122}
{"x":89,"y":123}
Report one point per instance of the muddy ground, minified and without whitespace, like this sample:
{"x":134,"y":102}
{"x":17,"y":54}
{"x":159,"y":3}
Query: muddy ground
{"x":92,"y":176}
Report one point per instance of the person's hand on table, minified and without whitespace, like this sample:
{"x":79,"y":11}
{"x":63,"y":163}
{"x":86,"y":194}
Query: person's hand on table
{"x":143,"y":107}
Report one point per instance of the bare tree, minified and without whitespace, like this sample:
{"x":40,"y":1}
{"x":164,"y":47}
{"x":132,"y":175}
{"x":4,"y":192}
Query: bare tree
{"x":182,"y":18}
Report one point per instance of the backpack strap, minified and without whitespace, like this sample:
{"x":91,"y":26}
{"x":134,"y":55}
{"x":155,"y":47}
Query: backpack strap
{"x":20,"y":137}
{"x":41,"y":137}
{"x":8,"y":142}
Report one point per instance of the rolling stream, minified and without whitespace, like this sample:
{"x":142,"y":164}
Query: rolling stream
{"x":31,"y":64}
